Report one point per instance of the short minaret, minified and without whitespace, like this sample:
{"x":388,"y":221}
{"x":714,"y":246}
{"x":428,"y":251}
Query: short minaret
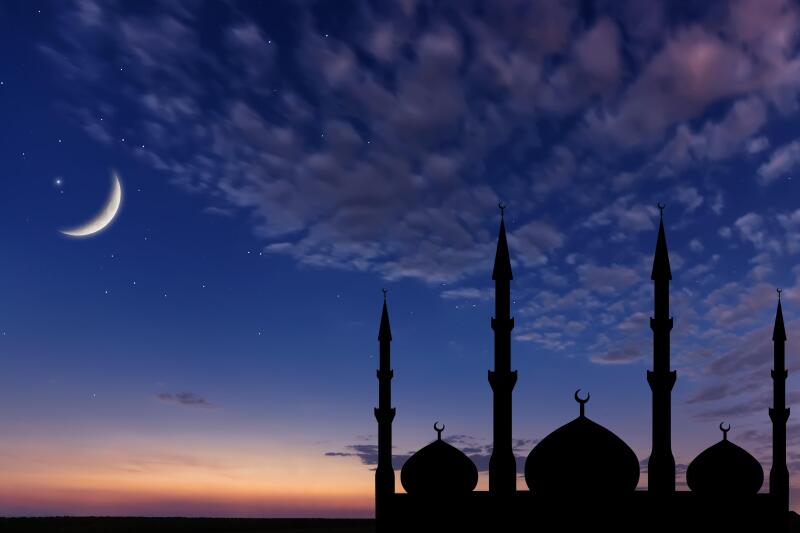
{"x":384,"y":414}
{"x":779,"y":414}
{"x":502,"y":464}
{"x":661,"y":465}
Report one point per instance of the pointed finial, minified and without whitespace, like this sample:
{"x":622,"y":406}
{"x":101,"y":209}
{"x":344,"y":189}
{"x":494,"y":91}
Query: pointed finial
{"x":582,"y":401}
{"x":384,"y":331}
{"x":779,"y":331}
{"x":661,"y":269}
{"x":438,"y":431}
{"x":502,"y":260}
{"x":724,"y":430}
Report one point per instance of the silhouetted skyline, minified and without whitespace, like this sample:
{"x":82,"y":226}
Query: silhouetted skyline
{"x":213,"y":350}
{"x":582,"y":474}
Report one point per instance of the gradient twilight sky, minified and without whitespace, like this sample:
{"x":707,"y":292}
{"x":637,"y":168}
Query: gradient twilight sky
{"x":213,"y":352}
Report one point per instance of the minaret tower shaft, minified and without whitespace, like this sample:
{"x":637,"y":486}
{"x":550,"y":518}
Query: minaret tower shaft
{"x":502,"y":463}
{"x":779,"y":414}
{"x":384,"y":414}
{"x":661,"y":465}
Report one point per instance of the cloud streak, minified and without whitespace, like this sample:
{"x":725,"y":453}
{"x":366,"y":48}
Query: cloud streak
{"x":188,"y":399}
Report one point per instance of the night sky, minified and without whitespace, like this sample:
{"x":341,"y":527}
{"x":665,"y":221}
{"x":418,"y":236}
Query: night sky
{"x":213,"y":351}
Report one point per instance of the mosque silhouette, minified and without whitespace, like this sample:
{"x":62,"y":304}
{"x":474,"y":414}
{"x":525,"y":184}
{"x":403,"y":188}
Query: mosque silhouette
{"x":582,"y":475}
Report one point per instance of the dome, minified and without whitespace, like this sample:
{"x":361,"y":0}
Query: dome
{"x":439,"y":468}
{"x":725,"y":469}
{"x":582,"y":456}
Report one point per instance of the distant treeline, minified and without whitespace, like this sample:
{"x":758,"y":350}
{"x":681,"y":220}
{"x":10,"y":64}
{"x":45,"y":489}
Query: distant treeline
{"x":180,"y":525}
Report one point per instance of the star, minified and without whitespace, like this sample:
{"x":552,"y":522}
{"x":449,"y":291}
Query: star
{"x":58,"y":182}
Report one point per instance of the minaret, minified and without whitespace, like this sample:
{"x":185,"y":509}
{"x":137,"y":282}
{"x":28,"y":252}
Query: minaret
{"x":779,"y":414}
{"x":661,"y":465}
{"x":502,"y":464}
{"x":384,"y":414}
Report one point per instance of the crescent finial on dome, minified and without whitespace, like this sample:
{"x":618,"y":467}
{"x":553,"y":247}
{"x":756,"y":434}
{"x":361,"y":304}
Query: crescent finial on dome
{"x":438,"y":431}
{"x":582,"y":401}
{"x":724,"y":430}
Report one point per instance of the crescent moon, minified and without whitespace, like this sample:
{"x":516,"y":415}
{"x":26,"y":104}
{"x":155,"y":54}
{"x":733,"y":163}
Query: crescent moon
{"x":104,"y":217}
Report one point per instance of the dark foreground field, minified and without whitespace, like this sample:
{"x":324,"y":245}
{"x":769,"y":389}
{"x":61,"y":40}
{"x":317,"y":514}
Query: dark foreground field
{"x":181,"y":525}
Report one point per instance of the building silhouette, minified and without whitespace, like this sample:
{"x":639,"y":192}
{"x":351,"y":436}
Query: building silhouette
{"x":582,"y":474}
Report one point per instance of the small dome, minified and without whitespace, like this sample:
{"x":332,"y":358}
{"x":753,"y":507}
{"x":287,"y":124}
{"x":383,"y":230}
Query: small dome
{"x":440,"y":469}
{"x":582,"y":456}
{"x":725,"y":469}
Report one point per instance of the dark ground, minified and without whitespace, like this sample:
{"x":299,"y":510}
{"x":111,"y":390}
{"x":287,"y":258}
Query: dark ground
{"x":181,"y":525}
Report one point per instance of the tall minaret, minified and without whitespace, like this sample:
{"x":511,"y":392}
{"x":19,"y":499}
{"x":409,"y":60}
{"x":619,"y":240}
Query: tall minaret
{"x":779,"y":414}
{"x":502,"y":464}
{"x":661,"y":465}
{"x":384,"y":414}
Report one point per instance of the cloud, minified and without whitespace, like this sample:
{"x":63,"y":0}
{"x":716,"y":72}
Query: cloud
{"x":468,"y":293}
{"x":781,"y":162}
{"x":188,"y":399}
{"x":689,"y":197}
{"x":477,"y":451}
{"x":757,"y":145}
{"x":372,"y":159}
{"x":618,"y":356}
{"x":752,"y":229}
{"x":534,"y":241}
{"x":710,"y":393}
{"x":607,"y":279}
{"x":625,"y":215}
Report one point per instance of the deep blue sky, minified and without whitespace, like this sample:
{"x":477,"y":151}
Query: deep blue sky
{"x":282,"y":162}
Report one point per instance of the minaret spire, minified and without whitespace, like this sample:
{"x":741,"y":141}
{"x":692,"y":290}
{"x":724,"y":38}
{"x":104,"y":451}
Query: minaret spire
{"x":779,"y":414}
{"x":661,"y":465}
{"x":502,"y":463}
{"x":384,"y":414}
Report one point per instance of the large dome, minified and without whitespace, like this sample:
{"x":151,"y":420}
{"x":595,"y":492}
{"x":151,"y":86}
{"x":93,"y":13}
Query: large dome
{"x":725,"y":469}
{"x":582,"y":457}
{"x":439,"y":469}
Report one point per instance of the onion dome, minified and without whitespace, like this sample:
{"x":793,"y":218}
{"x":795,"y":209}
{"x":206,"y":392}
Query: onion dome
{"x":582,"y":456}
{"x":725,"y":469}
{"x":439,"y":469}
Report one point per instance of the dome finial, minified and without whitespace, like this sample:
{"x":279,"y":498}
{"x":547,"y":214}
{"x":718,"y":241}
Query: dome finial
{"x":724,"y":430}
{"x":779,"y":294}
{"x":438,"y":431}
{"x":502,"y":207}
{"x":384,"y":294}
{"x":661,"y":208}
{"x":581,"y":401}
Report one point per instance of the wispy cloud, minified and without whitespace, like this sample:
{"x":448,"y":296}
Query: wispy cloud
{"x":188,"y":399}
